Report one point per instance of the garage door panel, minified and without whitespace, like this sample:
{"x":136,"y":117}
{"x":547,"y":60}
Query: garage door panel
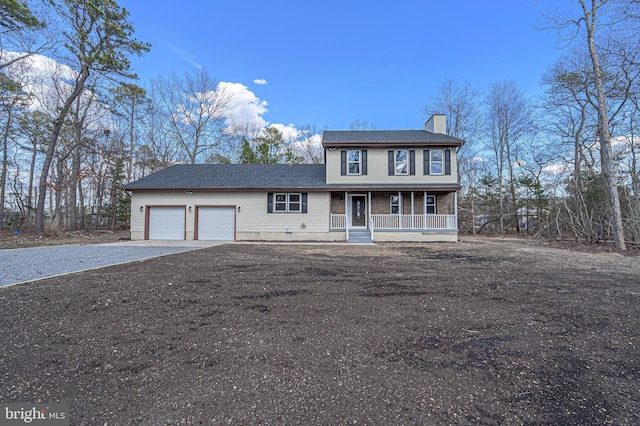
{"x":216,"y":223}
{"x":166,"y":223}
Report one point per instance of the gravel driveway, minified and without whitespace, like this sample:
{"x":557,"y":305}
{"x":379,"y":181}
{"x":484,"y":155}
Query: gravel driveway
{"x":23,"y":265}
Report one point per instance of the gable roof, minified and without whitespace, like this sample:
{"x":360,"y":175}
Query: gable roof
{"x":387,"y":138}
{"x":234,"y":176}
{"x":246,"y":177}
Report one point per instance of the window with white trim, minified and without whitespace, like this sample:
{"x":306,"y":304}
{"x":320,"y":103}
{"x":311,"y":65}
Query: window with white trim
{"x":294,"y":202}
{"x":284,"y":202}
{"x":437,"y":161}
{"x":280,"y":203}
{"x":354,"y":162}
{"x":401,"y":161}
{"x":431,"y":204}
{"x":394,"y":204}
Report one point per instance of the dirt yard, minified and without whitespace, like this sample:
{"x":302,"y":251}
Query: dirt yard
{"x":11,"y":240}
{"x":483,"y":332}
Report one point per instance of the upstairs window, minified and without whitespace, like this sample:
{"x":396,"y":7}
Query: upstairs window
{"x":436,"y":162}
{"x":353,"y":162}
{"x":401,"y":162}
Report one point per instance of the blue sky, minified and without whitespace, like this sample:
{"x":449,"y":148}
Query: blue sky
{"x":327,"y":63}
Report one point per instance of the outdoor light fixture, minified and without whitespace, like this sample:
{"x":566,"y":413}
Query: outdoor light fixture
{"x":238,"y":209}
{"x":189,"y":209}
{"x":141,"y":208}
{"x":189,"y":192}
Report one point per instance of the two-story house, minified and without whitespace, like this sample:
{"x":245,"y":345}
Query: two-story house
{"x":388,"y":185}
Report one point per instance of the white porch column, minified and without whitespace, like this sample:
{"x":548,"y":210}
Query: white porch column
{"x":346,"y":214}
{"x":346,"y":208}
{"x":370,"y":218}
{"x":424,"y":209}
{"x":413,"y":222}
{"x":400,"y":202}
{"x":412,"y":201}
{"x":455,"y":208}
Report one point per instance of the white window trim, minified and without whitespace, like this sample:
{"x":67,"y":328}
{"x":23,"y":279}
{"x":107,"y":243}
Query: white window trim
{"x":299,"y":202}
{"x":395,"y":162}
{"x":359,"y":162}
{"x":434,"y":204}
{"x":288,"y":202}
{"x":276,"y":202}
{"x":391,"y":204}
{"x":431,"y":161}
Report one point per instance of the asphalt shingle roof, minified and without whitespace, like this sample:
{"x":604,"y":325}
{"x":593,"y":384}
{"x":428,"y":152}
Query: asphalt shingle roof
{"x":347,"y":137}
{"x":230,"y":176}
{"x":257,"y":176}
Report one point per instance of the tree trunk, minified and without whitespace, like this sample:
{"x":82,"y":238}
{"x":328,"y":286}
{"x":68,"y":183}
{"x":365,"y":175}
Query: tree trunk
{"x":73,"y":189}
{"x":51,"y":146}
{"x":5,"y":164}
{"x":606,"y":152}
{"x":32,"y":168}
{"x":81,"y":202}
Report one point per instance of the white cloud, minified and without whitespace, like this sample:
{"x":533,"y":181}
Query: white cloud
{"x":260,"y":82}
{"x":289,"y":131}
{"x":49,"y":82}
{"x":244,"y":105}
{"x":557,"y":169}
{"x":479,"y":160}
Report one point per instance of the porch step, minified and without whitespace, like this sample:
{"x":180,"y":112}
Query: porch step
{"x":359,"y":236}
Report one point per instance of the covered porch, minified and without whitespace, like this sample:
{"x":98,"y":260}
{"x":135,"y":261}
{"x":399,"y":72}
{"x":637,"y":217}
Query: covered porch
{"x":374,"y":212}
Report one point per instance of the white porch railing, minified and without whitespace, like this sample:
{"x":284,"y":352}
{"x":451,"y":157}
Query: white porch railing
{"x":338,"y":221}
{"x":405,"y":221}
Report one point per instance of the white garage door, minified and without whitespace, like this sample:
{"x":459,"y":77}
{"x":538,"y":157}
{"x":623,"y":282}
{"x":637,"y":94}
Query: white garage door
{"x":166,"y":223}
{"x":216,"y":223}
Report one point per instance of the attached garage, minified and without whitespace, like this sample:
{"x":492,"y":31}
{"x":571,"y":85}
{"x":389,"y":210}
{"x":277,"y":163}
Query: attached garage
{"x":166,"y":223}
{"x":216,"y":223}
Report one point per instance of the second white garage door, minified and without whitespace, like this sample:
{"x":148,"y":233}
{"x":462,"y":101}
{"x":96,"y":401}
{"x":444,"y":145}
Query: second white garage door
{"x":216,"y":223}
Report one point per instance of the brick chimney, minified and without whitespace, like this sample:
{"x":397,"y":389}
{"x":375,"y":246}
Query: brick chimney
{"x":436,"y":124}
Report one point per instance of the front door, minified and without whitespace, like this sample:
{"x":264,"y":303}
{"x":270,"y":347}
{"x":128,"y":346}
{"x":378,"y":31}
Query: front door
{"x":357,"y":211}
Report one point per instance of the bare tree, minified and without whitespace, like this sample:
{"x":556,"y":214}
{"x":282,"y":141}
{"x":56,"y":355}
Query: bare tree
{"x":358,"y":124}
{"x":131,"y":106}
{"x":13,"y":102}
{"x":509,"y":119}
{"x":461,"y":105}
{"x":193,"y":108}
{"x":601,"y":21}
{"x":308,"y":145}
